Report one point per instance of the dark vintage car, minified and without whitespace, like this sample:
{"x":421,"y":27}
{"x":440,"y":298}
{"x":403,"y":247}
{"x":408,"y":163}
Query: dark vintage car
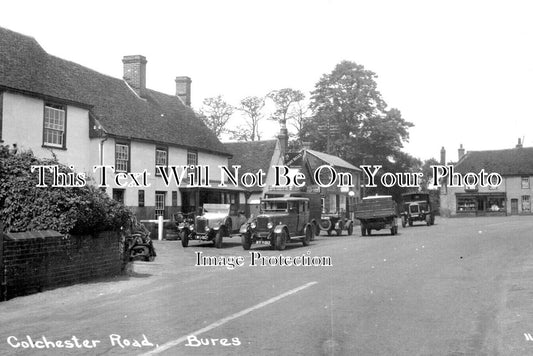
{"x":417,"y":207}
{"x":215,"y":223}
{"x":281,"y":220}
{"x":337,"y":222}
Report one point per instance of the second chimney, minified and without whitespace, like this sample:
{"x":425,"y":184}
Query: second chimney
{"x":442,"y":156}
{"x":519,"y":144}
{"x":183,"y":89}
{"x":461,"y":151}
{"x":135,"y":73}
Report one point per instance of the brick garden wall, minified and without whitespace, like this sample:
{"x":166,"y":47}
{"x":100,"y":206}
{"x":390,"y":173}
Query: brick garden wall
{"x":33,"y":264}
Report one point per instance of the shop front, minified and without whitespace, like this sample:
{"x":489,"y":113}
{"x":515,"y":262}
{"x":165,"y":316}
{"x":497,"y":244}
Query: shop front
{"x":481,"y":204}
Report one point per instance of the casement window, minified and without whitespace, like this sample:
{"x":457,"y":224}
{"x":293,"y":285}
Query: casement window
{"x":118,"y":195}
{"x":141,"y":198}
{"x":122,"y":157}
{"x":161,"y":159}
{"x":525,"y":182}
{"x":160,"y":204}
{"x":526,"y":204}
{"x":55,"y":124}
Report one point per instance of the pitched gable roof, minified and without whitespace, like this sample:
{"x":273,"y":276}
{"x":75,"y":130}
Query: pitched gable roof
{"x":26,"y":67}
{"x":333,"y":160}
{"x":511,"y":162}
{"x":252,"y":155}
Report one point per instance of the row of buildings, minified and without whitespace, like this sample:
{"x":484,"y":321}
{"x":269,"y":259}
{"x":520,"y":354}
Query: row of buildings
{"x":58,"y":108}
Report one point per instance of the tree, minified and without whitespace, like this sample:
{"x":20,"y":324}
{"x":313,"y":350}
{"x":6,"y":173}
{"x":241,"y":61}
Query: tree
{"x":283,"y":99}
{"x":215,"y":113}
{"x":299,"y":117}
{"x":251,"y":106}
{"x":351,"y":117}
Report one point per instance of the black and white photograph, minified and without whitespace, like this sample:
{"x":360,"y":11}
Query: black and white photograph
{"x":266,"y":177}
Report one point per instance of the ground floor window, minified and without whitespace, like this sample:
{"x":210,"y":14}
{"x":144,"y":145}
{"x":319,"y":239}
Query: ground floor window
{"x":160,"y":204}
{"x":118,"y":195}
{"x":526,"y":204}
{"x":466,"y":204}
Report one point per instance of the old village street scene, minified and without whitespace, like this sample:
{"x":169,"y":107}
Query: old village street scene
{"x":266,"y":178}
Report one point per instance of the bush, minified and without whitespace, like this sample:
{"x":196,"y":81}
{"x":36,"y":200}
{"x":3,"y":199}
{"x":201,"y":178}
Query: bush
{"x":24,"y":206}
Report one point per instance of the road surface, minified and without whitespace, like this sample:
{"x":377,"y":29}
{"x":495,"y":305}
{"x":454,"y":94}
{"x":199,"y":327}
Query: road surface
{"x":460,"y":287}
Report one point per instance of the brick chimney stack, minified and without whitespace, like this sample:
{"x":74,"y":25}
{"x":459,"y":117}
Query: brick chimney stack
{"x":183,"y":89}
{"x":442,"y":156}
{"x":519,"y":144}
{"x":461,"y":151}
{"x":135,"y":73}
{"x":283,"y":138}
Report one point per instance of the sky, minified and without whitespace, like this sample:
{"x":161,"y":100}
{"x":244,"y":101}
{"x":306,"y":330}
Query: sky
{"x":460,"y":71}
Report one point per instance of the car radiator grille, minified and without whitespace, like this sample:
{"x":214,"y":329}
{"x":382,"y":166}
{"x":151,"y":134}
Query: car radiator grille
{"x":262,"y":223}
{"x":200,"y":225}
{"x":414,"y":209}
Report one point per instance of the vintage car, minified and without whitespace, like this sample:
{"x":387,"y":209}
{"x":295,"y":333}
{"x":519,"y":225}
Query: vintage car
{"x":215,"y":223}
{"x":337,"y":222}
{"x":417,"y":207}
{"x":281,"y":220}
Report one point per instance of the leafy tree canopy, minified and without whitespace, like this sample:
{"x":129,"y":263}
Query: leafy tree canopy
{"x":350,"y":114}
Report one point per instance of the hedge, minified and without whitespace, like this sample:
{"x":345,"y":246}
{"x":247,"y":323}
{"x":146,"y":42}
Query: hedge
{"x":24,"y":206}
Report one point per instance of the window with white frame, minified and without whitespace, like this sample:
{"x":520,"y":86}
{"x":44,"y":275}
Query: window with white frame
{"x":161,"y":159}
{"x":526,"y":204}
{"x":122,"y":157}
{"x":192,"y":158}
{"x":525,"y":182}
{"x":54,"y":126}
{"x":160,"y":204}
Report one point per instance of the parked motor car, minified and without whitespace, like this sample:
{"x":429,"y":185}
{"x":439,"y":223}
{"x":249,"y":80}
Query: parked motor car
{"x":215,"y":223}
{"x":337,"y":222}
{"x":417,"y":207}
{"x":281,"y":221}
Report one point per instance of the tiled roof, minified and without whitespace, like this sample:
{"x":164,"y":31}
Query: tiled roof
{"x":511,"y":162}
{"x":333,"y":160}
{"x":25,"y":67}
{"x":251,"y":155}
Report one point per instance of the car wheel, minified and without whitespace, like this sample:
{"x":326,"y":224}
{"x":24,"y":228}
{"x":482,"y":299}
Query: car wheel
{"x":246,"y":240}
{"x":325,"y":224}
{"x":218,"y":238}
{"x":316,"y":229}
{"x":404,"y":222}
{"x":308,"y":235}
{"x":363,"y":230}
{"x":350,"y":230}
{"x":338,"y":232}
{"x":184,"y":239}
{"x":281,"y":240}
{"x":410,"y":222}
{"x":369,"y":232}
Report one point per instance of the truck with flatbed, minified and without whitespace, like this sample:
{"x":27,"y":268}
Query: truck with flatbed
{"x":377,"y":213}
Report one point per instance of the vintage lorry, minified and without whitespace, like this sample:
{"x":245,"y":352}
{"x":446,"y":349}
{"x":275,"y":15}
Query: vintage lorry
{"x":377,"y":213}
{"x":280,"y":221}
{"x":417,"y":207}
{"x":215,"y":223}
